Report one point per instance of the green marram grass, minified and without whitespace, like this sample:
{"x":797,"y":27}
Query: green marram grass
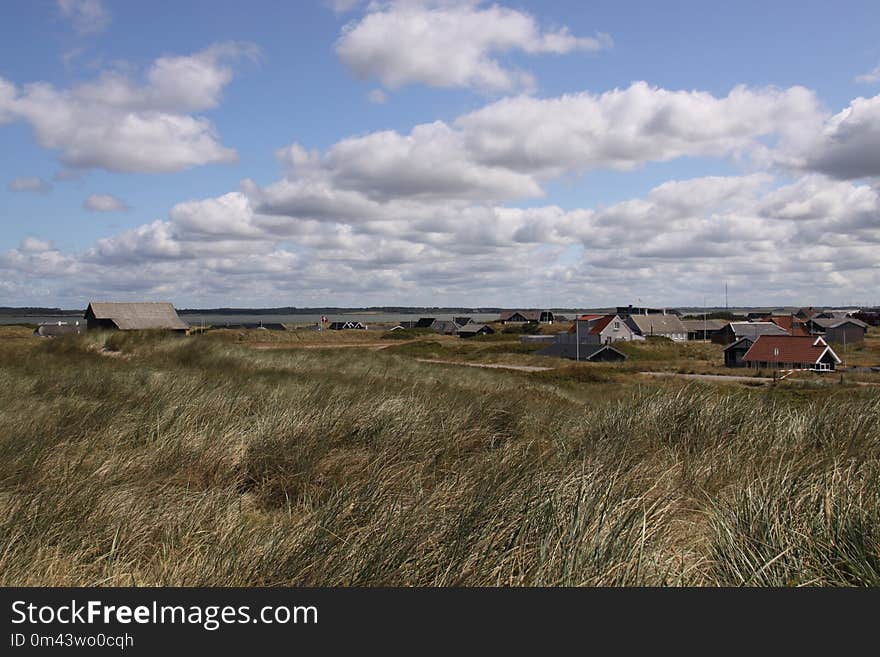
{"x":146,"y":460}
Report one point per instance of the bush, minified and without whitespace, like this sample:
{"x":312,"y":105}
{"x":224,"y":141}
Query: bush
{"x":527,"y":328}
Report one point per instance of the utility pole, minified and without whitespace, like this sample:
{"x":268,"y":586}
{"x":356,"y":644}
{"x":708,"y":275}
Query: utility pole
{"x":704,"y":320}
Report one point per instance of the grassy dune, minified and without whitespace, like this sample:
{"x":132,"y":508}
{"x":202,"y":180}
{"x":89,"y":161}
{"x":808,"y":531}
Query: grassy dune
{"x":141,"y":460}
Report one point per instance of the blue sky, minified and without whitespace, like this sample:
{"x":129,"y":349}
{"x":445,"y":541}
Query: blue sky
{"x":509,"y":213}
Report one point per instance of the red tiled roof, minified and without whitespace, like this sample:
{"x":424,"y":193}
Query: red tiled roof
{"x":790,"y":324}
{"x":600,"y":324}
{"x":791,"y":349}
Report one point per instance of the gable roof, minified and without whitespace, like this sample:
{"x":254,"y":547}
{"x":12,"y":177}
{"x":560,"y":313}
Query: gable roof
{"x":742,"y":342}
{"x":445,"y":326}
{"x":700,"y":324}
{"x":529,"y":315}
{"x":600,"y":324}
{"x":788,"y":349}
{"x":755,"y":329}
{"x":138,"y":316}
{"x":790,"y":324}
{"x":595,"y":324}
{"x":657,"y":324}
{"x":835,"y":322}
{"x":475,"y":328}
{"x":590,"y":351}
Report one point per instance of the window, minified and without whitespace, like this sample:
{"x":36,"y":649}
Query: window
{"x":616,"y":326}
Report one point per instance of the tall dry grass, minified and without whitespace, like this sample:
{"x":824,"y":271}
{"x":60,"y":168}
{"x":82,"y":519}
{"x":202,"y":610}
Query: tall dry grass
{"x":195,"y":462}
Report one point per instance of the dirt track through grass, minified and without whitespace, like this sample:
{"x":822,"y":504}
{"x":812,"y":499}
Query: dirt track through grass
{"x":498,"y":366}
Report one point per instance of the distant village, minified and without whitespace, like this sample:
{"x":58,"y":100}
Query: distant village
{"x":803,"y":339}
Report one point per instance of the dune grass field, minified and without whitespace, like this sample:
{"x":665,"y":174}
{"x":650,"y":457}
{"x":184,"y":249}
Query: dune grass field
{"x":236,"y":459}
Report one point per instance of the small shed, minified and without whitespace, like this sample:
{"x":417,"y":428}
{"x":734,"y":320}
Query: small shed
{"x":736,"y":351}
{"x":846,"y":331}
{"x":840,"y":331}
{"x":594,"y":353}
{"x":446,"y":327}
{"x":472,"y":330}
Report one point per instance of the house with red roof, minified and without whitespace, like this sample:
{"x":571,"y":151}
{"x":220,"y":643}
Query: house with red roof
{"x":791,"y":352}
{"x":790,"y":324}
{"x":601,"y":329}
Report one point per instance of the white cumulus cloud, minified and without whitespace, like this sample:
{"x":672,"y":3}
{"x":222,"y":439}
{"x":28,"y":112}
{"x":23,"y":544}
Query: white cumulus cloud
{"x":119,"y":124}
{"x":846,"y":146}
{"x":450,"y":44}
{"x":104,"y":203}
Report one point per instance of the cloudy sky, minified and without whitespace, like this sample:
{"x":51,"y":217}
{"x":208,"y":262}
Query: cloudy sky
{"x":422,"y":152}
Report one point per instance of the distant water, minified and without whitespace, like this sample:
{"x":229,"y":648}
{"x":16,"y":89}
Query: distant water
{"x":294,"y":320}
{"x":305,"y":320}
{"x":38,"y":319}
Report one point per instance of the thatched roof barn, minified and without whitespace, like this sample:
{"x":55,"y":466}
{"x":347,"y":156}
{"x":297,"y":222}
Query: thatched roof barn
{"x":137,"y":316}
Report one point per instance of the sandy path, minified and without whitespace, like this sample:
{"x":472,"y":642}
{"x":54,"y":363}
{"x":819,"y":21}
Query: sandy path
{"x":375,"y":346}
{"x":713,"y":377}
{"x":519,"y":368}
{"x":732,"y":378}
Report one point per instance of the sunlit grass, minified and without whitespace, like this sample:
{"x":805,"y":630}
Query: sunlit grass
{"x":147,"y":460}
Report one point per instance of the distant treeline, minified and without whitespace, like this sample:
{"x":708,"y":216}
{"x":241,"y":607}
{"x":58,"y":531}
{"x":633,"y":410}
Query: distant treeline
{"x":328,"y":310}
{"x":722,"y":314}
{"x":7,"y":310}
